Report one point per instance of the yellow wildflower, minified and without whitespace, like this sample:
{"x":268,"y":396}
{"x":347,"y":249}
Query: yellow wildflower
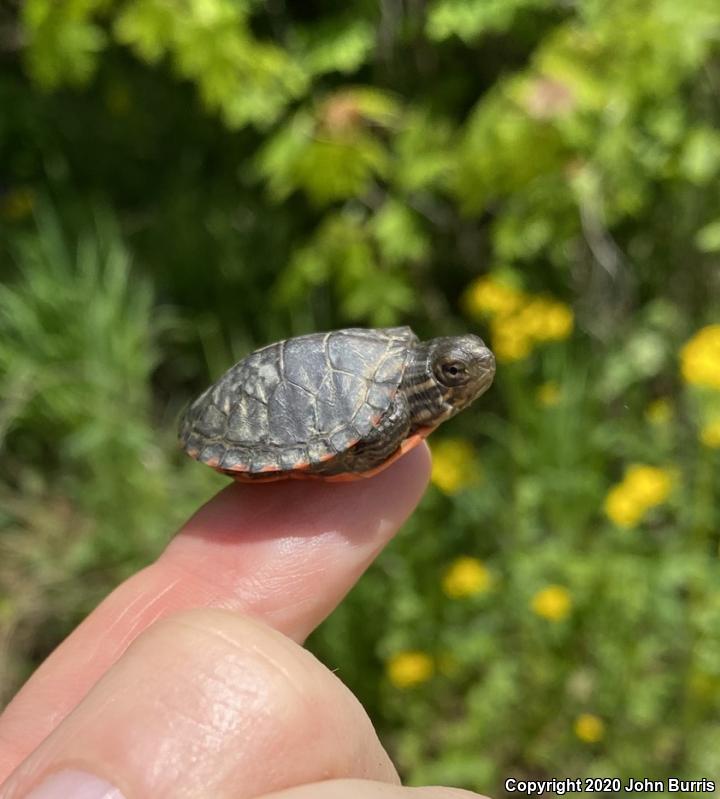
{"x":488,"y":296}
{"x":508,"y":348}
{"x":532,"y":318}
{"x":518,"y":320}
{"x":642,"y":488}
{"x":406,"y":669}
{"x":700,"y":358}
{"x":544,"y":319}
{"x":466,"y":577}
{"x":589,"y":728}
{"x":510,"y":340}
{"x":710,"y":434}
{"x":621,"y":507}
{"x":538,"y":320}
{"x":454,"y":465}
{"x":558,"y":322}
{"x":659,"y":411}
{"x":649,"y":484}
{"x":548,"y":394}
{"x":553,"y":602}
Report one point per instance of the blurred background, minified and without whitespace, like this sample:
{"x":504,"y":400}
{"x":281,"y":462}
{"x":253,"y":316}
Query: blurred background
{"x":183,"y":181}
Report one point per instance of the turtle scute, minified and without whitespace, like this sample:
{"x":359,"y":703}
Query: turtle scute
{"x":299,"y":402}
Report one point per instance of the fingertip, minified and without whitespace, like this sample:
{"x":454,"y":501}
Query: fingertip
{"x":288,"y":551}
{"x":419,"y":464}
{"x":258,"y":509}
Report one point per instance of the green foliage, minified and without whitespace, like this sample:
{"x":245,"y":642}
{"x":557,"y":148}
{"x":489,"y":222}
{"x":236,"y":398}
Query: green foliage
{"x":64,"y":40}
{"x":68,"y":316}
{"x":470,"y":19}
{"x":89,"y":480}
{"x":373,"y":166}
{"x":708,"y":237}
{"x":346,"y":255}
{"x":210,"y":44}
{"x":331,"y":153}
{"x":335,"y":45}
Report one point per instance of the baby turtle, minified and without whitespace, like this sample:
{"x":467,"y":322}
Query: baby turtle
{"x":335,"y":406}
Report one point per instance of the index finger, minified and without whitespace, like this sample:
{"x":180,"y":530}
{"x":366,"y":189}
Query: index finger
{"x":284,"y":552}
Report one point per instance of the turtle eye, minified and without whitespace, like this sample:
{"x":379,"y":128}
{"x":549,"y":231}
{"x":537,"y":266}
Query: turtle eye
{"x":452,"y":373}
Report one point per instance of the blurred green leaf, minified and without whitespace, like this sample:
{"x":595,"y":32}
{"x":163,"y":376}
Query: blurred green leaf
{"x":700,"y":156}
{"x":333,"y":152}
{"x":708,"y":237}
{"x":338,"y":45}
{"x":64,"y":40}
{"x":343,"y":254}
{"x":210,"y":43}
{"x":424,"y":154}
{"x":470,"y":18}
{"x":399,"y":234}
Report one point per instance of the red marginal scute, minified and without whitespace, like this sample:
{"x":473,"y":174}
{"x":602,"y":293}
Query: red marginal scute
{"x":248,"y":477}
{"x":297,"y":474}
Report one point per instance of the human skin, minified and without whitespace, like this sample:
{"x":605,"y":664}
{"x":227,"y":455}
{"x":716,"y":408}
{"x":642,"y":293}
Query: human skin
{"x":190,"y":679}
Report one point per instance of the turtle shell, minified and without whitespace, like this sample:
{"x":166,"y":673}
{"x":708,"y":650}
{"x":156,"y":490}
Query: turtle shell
{"x":299,"y":402}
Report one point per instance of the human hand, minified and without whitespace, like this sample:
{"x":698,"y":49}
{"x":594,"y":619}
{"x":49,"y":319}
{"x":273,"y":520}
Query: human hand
{"x":189,"y":680}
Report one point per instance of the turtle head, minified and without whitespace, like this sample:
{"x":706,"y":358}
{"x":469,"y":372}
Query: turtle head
{"x":462,"y":367}
{"x":447,"y":374}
